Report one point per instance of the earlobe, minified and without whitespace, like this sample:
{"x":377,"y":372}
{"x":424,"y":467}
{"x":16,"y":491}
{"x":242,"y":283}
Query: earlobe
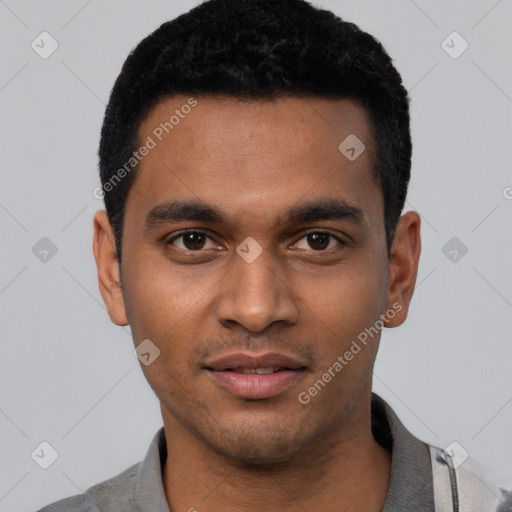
{"x":403,"y":266}
{"x":109,"y":279}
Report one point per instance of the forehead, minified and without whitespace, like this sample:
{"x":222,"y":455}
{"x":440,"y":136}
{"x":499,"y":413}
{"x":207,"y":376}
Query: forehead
{"x":258,"y":155}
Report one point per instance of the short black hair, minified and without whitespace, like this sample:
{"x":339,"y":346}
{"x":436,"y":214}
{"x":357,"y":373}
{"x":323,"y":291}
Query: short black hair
{"x":258,"y":49}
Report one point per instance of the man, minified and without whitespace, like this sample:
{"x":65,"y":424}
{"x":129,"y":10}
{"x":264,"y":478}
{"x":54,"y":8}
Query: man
{"x":255,"y":157}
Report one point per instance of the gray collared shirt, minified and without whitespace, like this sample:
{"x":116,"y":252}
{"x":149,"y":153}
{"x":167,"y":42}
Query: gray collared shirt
{"x":140,"y":487}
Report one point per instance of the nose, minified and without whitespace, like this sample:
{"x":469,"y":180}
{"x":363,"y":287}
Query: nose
{"x":256,"y":294}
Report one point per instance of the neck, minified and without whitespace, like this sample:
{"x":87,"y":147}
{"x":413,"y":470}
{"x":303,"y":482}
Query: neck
{"x":347,"y":470}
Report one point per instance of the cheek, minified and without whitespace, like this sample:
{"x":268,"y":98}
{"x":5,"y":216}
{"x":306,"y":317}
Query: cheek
{"x":161,"y":297}
{"x":346,"y":312}
{"x":346,"y":301}
{"x":163,"y":308}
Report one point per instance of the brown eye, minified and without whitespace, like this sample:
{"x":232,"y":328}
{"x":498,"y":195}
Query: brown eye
{"x":190,"y":240}
{"x":318,"y":241}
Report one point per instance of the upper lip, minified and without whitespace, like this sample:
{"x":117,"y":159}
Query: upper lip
{"x":247,"y":361}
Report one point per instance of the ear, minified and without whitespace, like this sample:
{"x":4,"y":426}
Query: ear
{"x":109,"y":279}
{"x":403,"y":267}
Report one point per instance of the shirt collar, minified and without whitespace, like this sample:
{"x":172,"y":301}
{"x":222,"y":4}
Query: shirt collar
{"x":410,"y":486}
{"x":149,"y":488}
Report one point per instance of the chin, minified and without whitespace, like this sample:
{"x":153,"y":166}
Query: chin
{"x":259,"y":445}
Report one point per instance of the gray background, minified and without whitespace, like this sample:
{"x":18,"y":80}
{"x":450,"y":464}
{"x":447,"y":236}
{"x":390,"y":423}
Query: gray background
{"x":68,"y":376}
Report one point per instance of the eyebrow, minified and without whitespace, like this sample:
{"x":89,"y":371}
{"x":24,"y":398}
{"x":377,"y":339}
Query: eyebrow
{"x":177,"y":211}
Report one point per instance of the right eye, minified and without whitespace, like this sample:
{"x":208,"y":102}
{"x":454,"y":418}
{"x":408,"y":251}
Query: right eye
{"x":190,"y":240}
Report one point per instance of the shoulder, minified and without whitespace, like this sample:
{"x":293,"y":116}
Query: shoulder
{"x":129,"y":491}
{"x":115,"y":494}
{"x":463,"y":482}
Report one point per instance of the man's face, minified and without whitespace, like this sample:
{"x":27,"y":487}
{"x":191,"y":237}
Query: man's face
{"x":213,"y":310}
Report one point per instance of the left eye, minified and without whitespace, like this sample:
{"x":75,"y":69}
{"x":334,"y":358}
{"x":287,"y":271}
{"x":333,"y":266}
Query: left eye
{"x":319,"y":241}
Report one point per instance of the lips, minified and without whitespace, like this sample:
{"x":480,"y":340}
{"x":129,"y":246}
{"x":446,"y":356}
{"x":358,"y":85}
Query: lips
{"x":258,"y":371}
{"x":256,"y":376}
{"x":245,"y":361}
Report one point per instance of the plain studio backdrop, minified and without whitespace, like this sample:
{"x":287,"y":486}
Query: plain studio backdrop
{"x":68,"y":377}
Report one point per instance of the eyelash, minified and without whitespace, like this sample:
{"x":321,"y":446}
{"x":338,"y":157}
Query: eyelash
{"x":314,"y":231}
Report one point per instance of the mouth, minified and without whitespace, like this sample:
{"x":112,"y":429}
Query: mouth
{"x":258,"y":371}
{"x":256,"y":376}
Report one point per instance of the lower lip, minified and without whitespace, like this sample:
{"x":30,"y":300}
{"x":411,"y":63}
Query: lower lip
{"x":254,"y":386}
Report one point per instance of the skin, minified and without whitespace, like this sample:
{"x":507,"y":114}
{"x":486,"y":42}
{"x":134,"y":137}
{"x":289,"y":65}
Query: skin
{"x":253,"y":161}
